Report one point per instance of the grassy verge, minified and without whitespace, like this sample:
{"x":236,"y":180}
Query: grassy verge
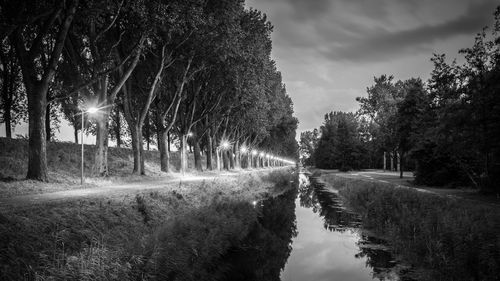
{"x":452,"y":239}
{"x":171,"y":234}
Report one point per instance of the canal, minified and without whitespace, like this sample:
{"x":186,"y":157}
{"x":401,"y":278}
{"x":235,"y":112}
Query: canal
{"x":308,"y":234}
{"x":330,"y":242}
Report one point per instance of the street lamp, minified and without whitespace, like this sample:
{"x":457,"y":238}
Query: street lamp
{"x":90,"y":110}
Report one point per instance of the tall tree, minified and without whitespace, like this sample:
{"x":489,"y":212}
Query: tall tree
{"x":31,"y":41}
{"x":13,"y":96}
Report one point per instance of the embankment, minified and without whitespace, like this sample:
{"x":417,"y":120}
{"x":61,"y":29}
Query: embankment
{"x":180,"y":233}
{"x":443,"y":238}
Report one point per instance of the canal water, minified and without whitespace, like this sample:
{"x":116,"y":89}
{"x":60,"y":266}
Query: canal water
{"x":307,"y":234}
{"x":330,"y":243}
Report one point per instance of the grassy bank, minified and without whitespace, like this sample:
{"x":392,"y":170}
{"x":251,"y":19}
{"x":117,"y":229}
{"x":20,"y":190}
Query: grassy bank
{"x":168,"y":234}
{"x":63,"y":160}
{"x":448,"y":238}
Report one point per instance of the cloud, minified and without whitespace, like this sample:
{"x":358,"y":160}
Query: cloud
{"x":364,"y":31}
{"x":388,"y":45}
{"x":329,"y":50}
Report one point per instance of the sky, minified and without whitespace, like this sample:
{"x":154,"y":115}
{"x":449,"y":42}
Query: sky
{"x":329,"y":51}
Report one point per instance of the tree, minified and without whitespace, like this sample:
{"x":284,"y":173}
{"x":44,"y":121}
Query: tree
{"x":308,"y":143}
{"x":31,"y":41}
{"x":13,"y":95}
{"x":104,"y":47}
{"x":410,"y":116}
{"x":380,"y":107}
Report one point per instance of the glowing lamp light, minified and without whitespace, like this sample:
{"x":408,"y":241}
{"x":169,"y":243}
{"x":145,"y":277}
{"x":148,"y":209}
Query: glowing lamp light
{"x":225,"y":144}
{"x":190,"y":134}
{"x":267,"y":155}
{"x":92,"y":110}
{"x":262,"y":154}
{"x":254,"y":152}
{"x":243,"y":149}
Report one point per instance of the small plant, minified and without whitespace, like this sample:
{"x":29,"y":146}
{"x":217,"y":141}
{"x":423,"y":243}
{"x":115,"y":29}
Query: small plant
{"x":142,"y":208}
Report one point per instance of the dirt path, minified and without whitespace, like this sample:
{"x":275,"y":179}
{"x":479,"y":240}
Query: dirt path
{"x":116,"y":190}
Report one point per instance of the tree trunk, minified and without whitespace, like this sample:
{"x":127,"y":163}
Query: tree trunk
{"x":8,"y":121}
{"x":168,"y":141}
{"x":225,"y":160}
{"x":7,"y":93}
{"x":197,"y":154}
{"x":75,"y":134}
{"x":101,"y":157}
{"x":164,"y":152}
{"x":209,"y":151}
{"x":391,"y":155}
{"x":147,"y":130}
{"x":231,"y":158}
{"x":136,"y":134}
{"x":37,"y":153}
{"x":385,"y":163}
{"x":237,"y":159}
{"x":48,"y":132}
{"x":184,"y":159}
{"x":401,"y":164}
{"x":118,"y":126}
{"x":398,"y":159}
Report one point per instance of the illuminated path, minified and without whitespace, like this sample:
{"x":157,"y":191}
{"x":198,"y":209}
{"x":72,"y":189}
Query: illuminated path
{"x":116,"y":190}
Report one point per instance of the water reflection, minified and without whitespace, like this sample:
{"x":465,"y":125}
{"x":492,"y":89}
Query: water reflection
{"x":338,"y":251}
{"x":263,"y":253}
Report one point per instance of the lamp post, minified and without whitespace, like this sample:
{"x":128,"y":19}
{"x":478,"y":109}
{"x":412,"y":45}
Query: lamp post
{"x":90,"y":110}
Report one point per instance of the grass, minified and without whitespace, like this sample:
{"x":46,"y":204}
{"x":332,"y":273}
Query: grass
{"x":176,"y":234}
{"x":63,"y":160}
{"x":452,"y":239}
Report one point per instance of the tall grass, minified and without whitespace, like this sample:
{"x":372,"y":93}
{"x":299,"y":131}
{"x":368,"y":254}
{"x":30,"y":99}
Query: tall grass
{"x":453,"y":239}
{"x":156,"y":234}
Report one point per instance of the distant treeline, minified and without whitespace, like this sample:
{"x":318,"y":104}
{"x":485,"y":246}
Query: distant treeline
{"x":446,"y":129}
{"x":159,"y":72}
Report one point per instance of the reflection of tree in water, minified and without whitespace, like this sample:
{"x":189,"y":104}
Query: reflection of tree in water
{"x":377,"y":256}
{"x":337,"y":219}
{"x":264,"y":252}
{"x":329,"y":206}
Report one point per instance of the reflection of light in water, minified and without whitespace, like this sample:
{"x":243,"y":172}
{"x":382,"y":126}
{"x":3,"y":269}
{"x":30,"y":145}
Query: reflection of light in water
{"x":303,"y":180}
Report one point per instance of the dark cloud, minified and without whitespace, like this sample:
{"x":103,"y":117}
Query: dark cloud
{"x":307,"y":9}
{"x":386,"y":45}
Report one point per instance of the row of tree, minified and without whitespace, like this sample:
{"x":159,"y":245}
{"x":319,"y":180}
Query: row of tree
{"x":447,"y":129}
{"x":165,"y":68}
